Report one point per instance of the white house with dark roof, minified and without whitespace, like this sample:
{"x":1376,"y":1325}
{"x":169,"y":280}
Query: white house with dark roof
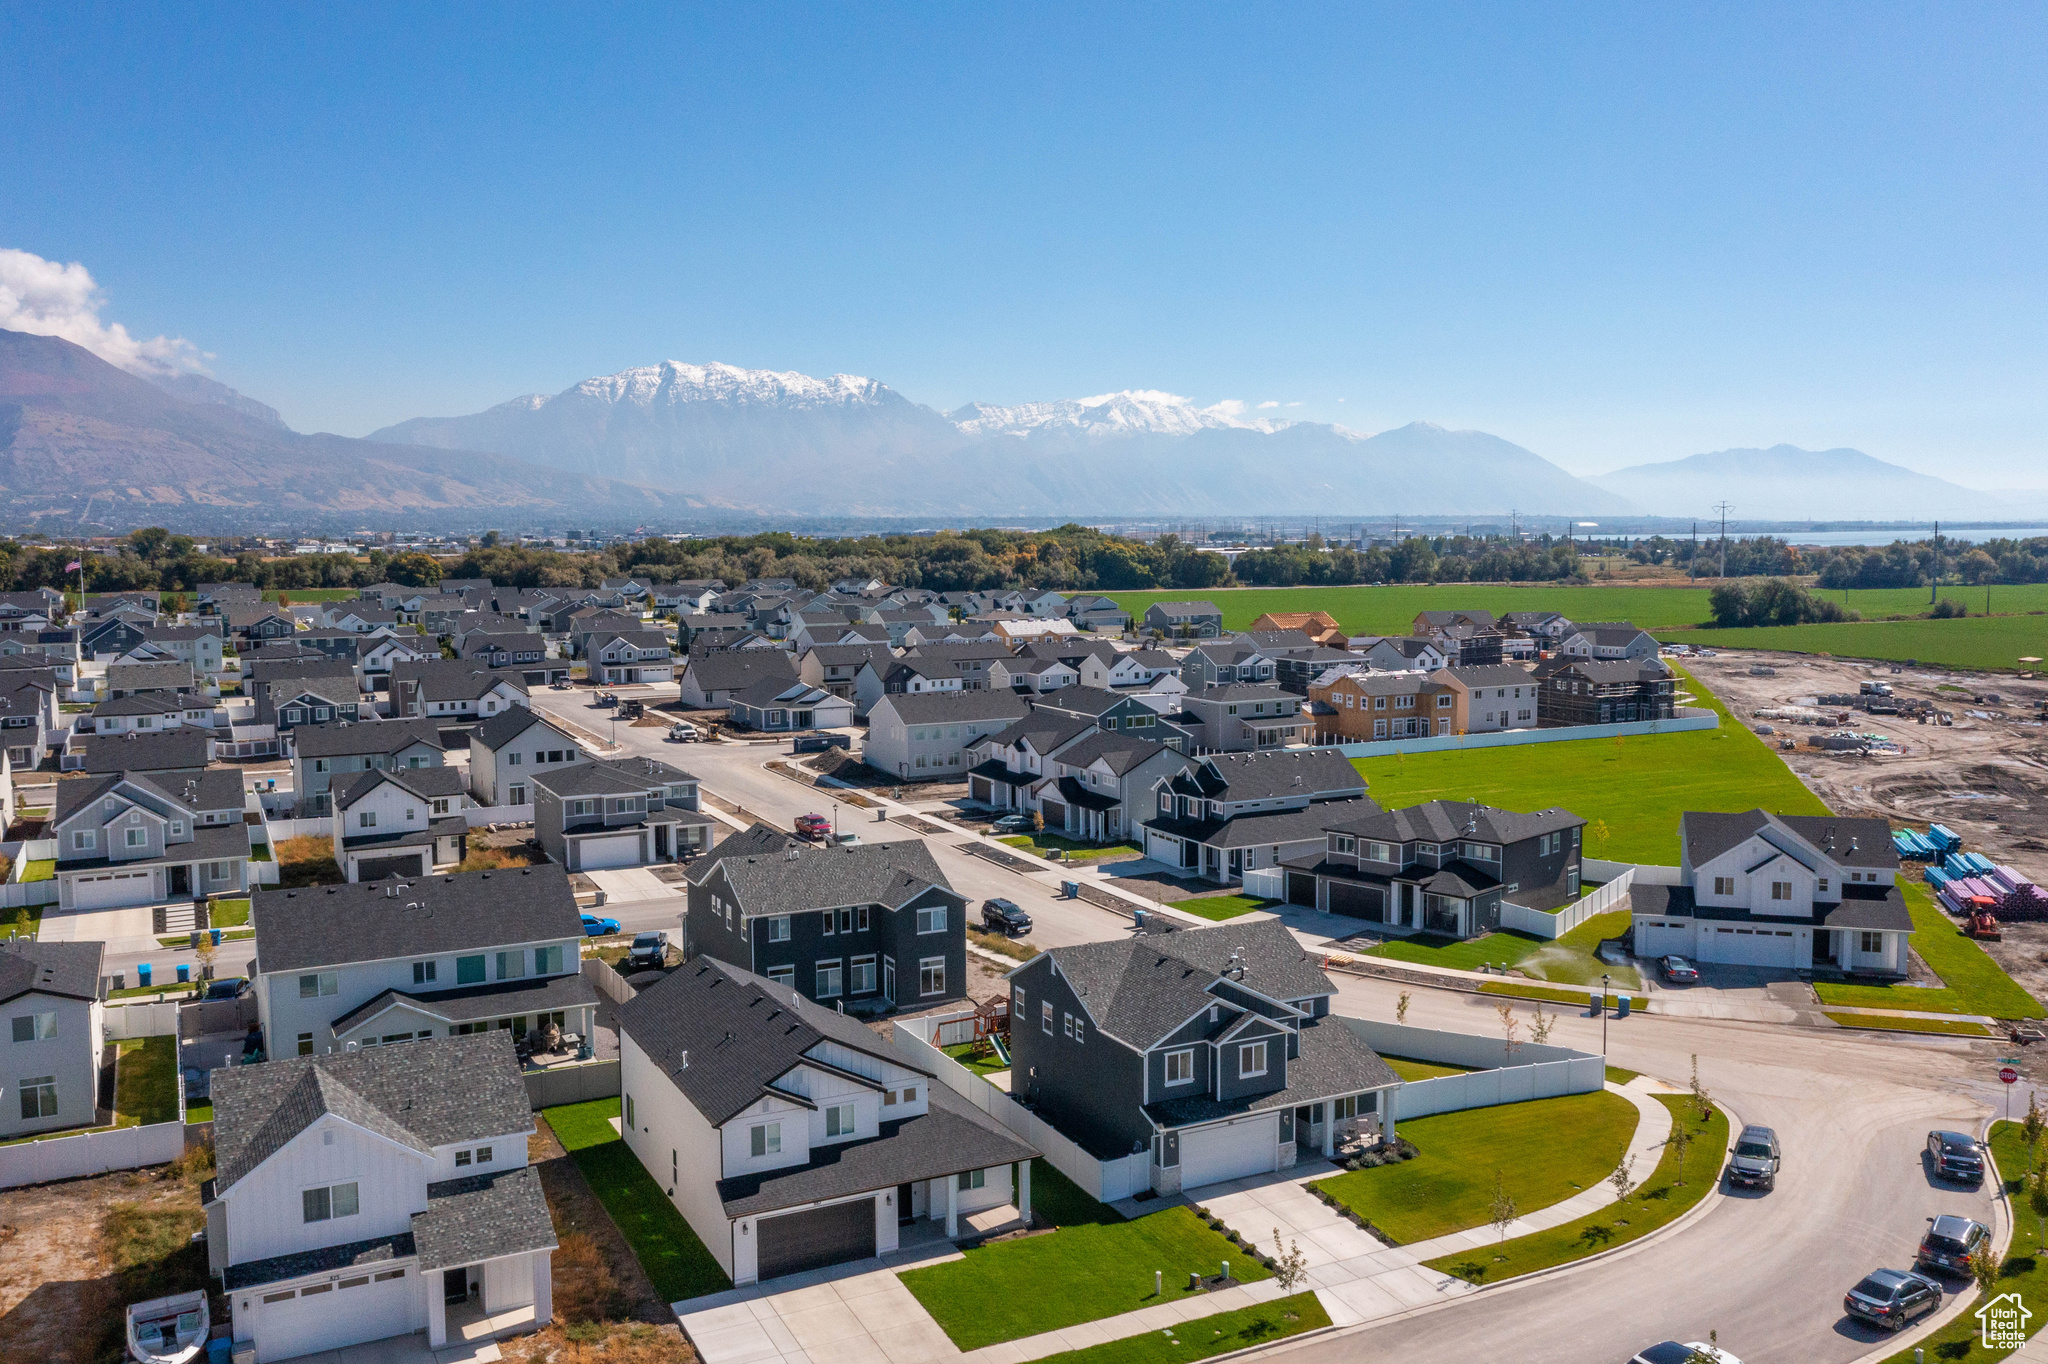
{"x":145,"y":713}
{"x":630,"y":656}
{"x":126,"y":839}
{"x":1212,"y":1048}
{"x":1607,"y":641}
{"x":618,"y":812}
{"x":324,"y":754}
{"x":1795,"y":892}
{"x":380,"y":1193}
{"x":919,"y":736}
{"x":400,"y":822}
{"x":791,"y":1137}
{"x":709,"y":680}
{"x":509,"y":749}
{"x":453,"y":689}
{"x":50,"y":997}
{"x":1232,"y":812}
{"x":437,"y":956}
{"x":774,"y":706}
{"x":1099,"y":787}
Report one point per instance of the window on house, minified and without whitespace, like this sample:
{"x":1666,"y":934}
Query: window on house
{"x":863,"y":982}
{"x":782,"y":975}
{"x":1872,"y":943}
{"x":766,"y":1139}
{"x":462,"y":1158}
{"x":839,"y":1120}
{"x":932,"y":919}
{"x":136,"y":838}
{"x":778,"y":928}
{"x":330,"y":1201}
{"x":38,"y":1097}
{"x":1823,"y":885}
{"x":1251,"y":1059}
{"x":547,"y":961}
{"x":1045,"y":1017}
{"x":305,"y":1044}
{"x":366,"y":819}
{"x":469,"y":970}
{"x":1781,"y":890}
{"x":82,"y":839}
{"x":1180,"y":1066}
{"x":35,"y":1027}
{"x":1724,"y":885}
{"x":511,"y":965}
{"x":827,"y":976}
{"x":972,"y":1179}
{"x":931,"y":976}
{"x":423,"y":972}
{"x":317,"y":985}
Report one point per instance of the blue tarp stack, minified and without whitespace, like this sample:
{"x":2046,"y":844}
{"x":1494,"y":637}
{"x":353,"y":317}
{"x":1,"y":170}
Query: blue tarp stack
{"x":1931,"y":846}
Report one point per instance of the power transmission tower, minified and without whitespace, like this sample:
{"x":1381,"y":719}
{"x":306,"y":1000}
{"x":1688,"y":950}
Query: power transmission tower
{"x":1695,"y":551}
{"x":1723,"y":508}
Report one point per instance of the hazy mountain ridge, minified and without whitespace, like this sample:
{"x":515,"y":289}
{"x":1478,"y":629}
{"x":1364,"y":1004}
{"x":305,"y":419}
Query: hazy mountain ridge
{"x":1786,"y":482}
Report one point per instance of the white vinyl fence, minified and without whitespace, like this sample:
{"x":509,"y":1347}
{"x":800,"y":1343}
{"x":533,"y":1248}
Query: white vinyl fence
{"x":1687,"y":717}
{"x":480,"y":815}
{"x":91,"y":1153}
{"x":1544,"y":925}
{"x":155,"y":1018}
{"x":1267,"y":882}
{"x":1646,"y":874}
{"x":1105,"y":1181}
{"x":1533,"y":1072}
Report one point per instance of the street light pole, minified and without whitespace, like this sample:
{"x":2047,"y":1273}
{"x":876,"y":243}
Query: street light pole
{"x":1603,"y":1017}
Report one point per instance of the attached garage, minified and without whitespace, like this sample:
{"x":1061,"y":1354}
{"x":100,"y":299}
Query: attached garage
{"x":600,"y":854}
{"x":1750,"y":947}
{"x":1230,"y":1150}
{"x":332,"y":1314}
{"x":981,"y":789}
{"x":1055,"y":814}
{"x":1301,"y":889}
{"x":113,"y":889}
{"x":813,"y":1239}
{"x":1360,"y":902}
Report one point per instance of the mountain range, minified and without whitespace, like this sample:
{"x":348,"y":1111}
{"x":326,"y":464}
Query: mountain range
{"x":1786,"y":483}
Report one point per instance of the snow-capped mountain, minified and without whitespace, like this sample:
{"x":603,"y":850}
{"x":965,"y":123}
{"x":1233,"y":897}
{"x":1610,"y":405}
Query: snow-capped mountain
{"x":1134,"y":411}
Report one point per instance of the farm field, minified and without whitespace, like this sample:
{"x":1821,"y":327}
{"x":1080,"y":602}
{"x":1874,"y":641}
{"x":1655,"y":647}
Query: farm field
{"x":1390,"y":610}
{"x":1636,"y":787}
{"x":1977,"y":642}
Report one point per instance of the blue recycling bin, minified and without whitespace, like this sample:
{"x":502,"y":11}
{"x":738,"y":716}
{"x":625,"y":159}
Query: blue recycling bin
{"x":1621,"y":1003}
{"x":1071,"y":889}
{"x":216,"y":936}
{"x":142,"y":975}
{"x":184,"y":974}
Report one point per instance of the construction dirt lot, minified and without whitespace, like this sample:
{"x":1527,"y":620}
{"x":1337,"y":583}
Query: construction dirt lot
{"x":1985,"y":776}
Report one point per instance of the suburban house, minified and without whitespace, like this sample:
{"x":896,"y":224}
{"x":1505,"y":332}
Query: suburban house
{"x":884,"y":674}
{"x":774,"y":707}
{"x":506,"y":751}
{"x":1485,"y":700}
{"x":50,"y":994}
{"x":439,"y":956}
{"x":1360,"y":706}
{"x":1444,"y":867}
{"x":378,"y":1193}
{"x":256,"y":621}
{"x":107,"y":639}
{"x":709,"y":680}
{"x":972,"y":658}
{"x":811,"y":1141}
{"x":1585,"y":691}
{"x":1607,"y":641}
{"x":1232,"y":659}
{"x":1110,"y":710}
{"x":1008,"y":766}
{"x":28,"y":705}
{"x":917,"y":736}
{"x":130,"y":679}
{"x":146,"y":712}
{"x":1237,"y":716}
{"x":1796,"y":892}
{"x":364,"y":620}
{"x":1470,"y":639}
{"x":1545,"y":627}
{"x":833,"y":667}
{"x":1184,"y":619}
{"x":1231,"y":812}
{"x":377,"y":654}
{"x":1320,"y":626}
{"x":872,"y":925}
{"x":1099,"y":787}
{"x":1092,"y":612}
{"x":453,"y":690}
{"x":1399,"y":653}
{"x":288,"y":702}
{"x":126,"y":839}
{"x":182,"y":752}
{"x":1028,"y":674}
{"x":621,"y":812}
{"x":1212,"y":1048}
{"x":524,"y":653}
{"x":630,"y":656}
{"x":403,"y":822}
{"x":324,"y":753}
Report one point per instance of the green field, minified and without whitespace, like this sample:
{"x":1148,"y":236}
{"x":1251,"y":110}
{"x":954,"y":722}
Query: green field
{"x":1568,"y":960}
{"x":1224,"y":1333}
{"x":1975,"y":983}
{"x":1391,"y":610}
{"x":1637,"y":787}
{"x":1978,"y":642}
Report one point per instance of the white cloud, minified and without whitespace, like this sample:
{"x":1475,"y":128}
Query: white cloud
{"x":1268,"y":403}
{"x":1229,"y":407}
{"x":48,"y":299}
{"x":1294,"y":404}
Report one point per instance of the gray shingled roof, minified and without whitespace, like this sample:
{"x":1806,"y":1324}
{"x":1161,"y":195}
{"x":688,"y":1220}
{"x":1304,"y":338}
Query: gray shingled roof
{"x":424,"y":1094}
{"x":219,"y":789}
{"x":496,"y":999}
{"x":480,"y":1217}
{"x":1140,"y":989}
{"x":1444,"y":821}
{"x":166,"y":750}
{"x":378,"y":1250}
{"x":369,"y":921}
{"x":1240,"y":691}
{"x":71,"y":969}
{"x":954,"y":707}
{"x":1333,"y":1062}
{"x":739,"y":668}
{"x":1491,"y":675}
{"x":1708,"y":835}
{"x":1121,"y":751}
{"x":756,"y":840}
{"x":425,"y":782}
{"x":1273,"y":775}
{"x":806,"y":878}
{"x":334,"y":740}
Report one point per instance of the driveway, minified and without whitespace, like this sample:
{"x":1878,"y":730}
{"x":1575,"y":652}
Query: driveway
{"x":858,"y":1313}
{"x":630,"y":885}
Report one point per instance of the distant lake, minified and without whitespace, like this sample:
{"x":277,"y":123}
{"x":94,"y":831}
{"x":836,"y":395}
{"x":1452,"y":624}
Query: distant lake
{"x":1857,"y":537}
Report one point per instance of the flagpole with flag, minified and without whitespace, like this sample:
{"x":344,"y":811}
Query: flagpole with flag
{"x":78,"y":566}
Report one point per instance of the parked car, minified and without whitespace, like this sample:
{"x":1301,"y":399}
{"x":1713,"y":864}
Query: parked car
{"x":1756,"y":1160}
{"x":1678,"y":970}
{"x":649,"y":949}
{"x":1950,"y":1243}
{"x":683,"y":733}
{"x":1956,"y":1157}
{"x":846,"y":840}
{"x":597,"y":926}
{"x":558,"y":686}
{"x":1013,"y":824}
{"x":228,"y":987}
{"x":1892,"y":1297}
{"x":1671,"y":1352}
{"x":813,"y":827}
{"x":1006,"y":917}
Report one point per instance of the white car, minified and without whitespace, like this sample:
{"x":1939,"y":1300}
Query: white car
{"x":1671,"y":1352}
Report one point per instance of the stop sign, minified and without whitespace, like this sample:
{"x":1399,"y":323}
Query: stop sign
{"x":2008,"y":1075}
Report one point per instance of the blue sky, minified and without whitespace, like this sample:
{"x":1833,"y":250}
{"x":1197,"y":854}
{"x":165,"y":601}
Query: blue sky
{"x":1612,"y":234}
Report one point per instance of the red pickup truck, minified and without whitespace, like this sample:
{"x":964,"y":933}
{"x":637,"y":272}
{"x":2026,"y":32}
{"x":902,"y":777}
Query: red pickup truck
{"x":813,"y":827}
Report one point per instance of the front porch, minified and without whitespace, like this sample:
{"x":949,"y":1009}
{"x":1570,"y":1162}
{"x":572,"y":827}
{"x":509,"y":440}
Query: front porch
{"x":487,"y":1300}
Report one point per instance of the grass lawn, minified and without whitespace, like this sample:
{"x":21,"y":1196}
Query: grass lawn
{"x":1422,"y":1070}
{"x":1207,"y":1336}
{"x":1001,"y":944}
{"x":1960,"y":1342}
{"x":1616,"y":1075}
{"x":1504,"y":948}
{"x":40,"y":869}
{"x":1064,"y":1203}
{"x":1634,"y":788}
{"x":199,"y":1112}
{"x":1569,"y":959}
{"x":1953,"y":1027}
{"x":146,"y":1082}
{"x":229,"y":914}
{"x":170,"y":989}
{"x":675,"y":1260}
{"x":1660,"y":1201}
{"x":1975,"y":642}
{"x":1579,"y":997}
{"x":1221,"y":907}
{"x":1070,"y":849}
{"x":1976,"y":984}
{"x":1449,"y":1186}
{"x":1079,"y":1273}
{"x":985,"y":1064}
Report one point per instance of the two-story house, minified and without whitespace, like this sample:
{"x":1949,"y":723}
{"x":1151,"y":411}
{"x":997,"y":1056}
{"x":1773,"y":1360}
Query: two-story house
{"x":28,"y":715}
{"x":620,"y":812}
{"x":1320,"y":626}
{"x":453,"y":689}
{"x":181,"y":752}
{"x":1231,"y":812}
{"x":506,"y":751}
{"x":833,"y":667}
{"x":873,"y":924}
{"x":399,"y":822}
{"x":288,"y":702}
{"x":127,"y":840}
{"x":524,"y":653}
{"x":1236,"y":717}
{"x":1585,"y":691}
{"x":1795,"y":892}
{"x":50,"y":997}
{"x":1113,"y":710}
{"x":378,"y":1193}
{"x":630,"y":656}
{"x":1184,"y":619}
{"x":323,"y":754}
{"x":1234,"y":659}
{"x":202,"y":646}
{"x":1099,"y":787}
{"x":1607,"y":642}
{"x":972,"y":658}
{"x":810,"y":1141}
{"x":1090,"y":611}
{"x":1486,"y":700}
{"x":920,"y":736}
{"x":1212,"y":1048}
{"x":1028,"y":674}
{"x":391,"y":961}
{"x":1356,"y":706}
{"x":149,"y":712}
{"x":1443,"y":867}
{"x":130,"y":679}
{"x":710,"y":679}
{"x":1007,"y":768}
{"x":1399,"y":653}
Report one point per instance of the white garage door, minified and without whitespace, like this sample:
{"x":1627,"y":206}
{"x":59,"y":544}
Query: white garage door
{"x":620,"y":850}
{"x":1751,"y":946}
{"x":1230,"y":1150}
{"x":110,"y":890}
{"x":334,"y":1316}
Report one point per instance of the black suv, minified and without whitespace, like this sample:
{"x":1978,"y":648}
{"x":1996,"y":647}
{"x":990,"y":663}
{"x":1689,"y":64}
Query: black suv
{"x":1956,"y":1157}
{"x":1893,"y":1297}
{"x":1949,"y":1244}
{"x":1005,"y":917}
{"x":1756,"y":1159}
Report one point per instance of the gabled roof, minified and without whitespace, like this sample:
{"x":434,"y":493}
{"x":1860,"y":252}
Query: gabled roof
{"x":166,"y":750}
{"x":177,"y":676}
{"x":1445,"y":821}
{"x":152,"y":703}
{"x":1487,"y":675}
{"x":441,"y":679}
{"x":71,"y":969}
{"x":378,"y":920}
{"x":1848,"y":842}
{"x":1080,"y":700}
{"x":806,"y":878}
{"x":427,"y":783}
{"x":1606,"y":670}
{"x":501,"y":729}
{"x":776,"y":692}
{"x":952,"y":707}
{"x":1045,"y":730}
{"x":341,"y":689}
{"x":756,"y":840}
{"x":219,"y":789}
{"x":1240,"y":691}
{"x":335,"y":739}
{"x":1270,"y":776}
{"x":426,"y":1094}
{"x":738,"y":668}
{"x":1119,"y":750}
{"x":1176,"y":609}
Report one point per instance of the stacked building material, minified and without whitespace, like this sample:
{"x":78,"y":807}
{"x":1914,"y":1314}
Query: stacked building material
{"x":1913,"y":847}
